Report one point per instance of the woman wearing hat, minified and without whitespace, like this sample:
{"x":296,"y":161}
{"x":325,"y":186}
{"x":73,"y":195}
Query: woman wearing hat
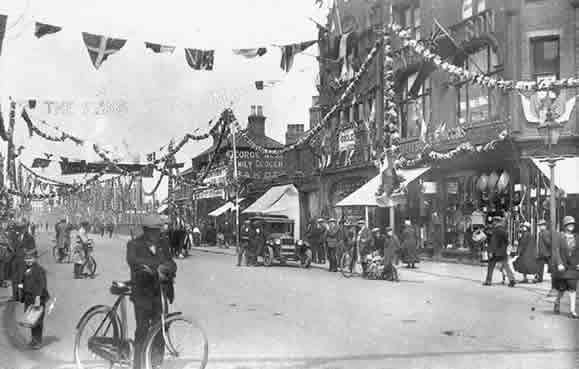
{"x":566,"y":266}
{"x":544,"y":250}
{"x":526,"y":262}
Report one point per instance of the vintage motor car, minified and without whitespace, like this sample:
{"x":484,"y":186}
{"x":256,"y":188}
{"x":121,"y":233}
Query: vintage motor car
{"x":280,"y":244}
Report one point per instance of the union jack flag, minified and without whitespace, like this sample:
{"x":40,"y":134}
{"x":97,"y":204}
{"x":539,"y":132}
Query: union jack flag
{"x":100,"y":47}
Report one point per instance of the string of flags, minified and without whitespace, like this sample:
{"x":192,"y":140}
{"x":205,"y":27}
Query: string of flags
{"x":101,"y":47}
{"x":324,"y":121}
{"x":522,"y":86}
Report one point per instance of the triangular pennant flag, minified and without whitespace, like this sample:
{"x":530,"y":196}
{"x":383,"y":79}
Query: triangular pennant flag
{"x":200,"y":59}
{"x":40,"y":163}
{"x":43,"y":29}
{"x":100,"y":47}
{"x":159,"y":49}
{"x":289,"y":51}
{"x":250,"y":53}
{"x":3,"y":20}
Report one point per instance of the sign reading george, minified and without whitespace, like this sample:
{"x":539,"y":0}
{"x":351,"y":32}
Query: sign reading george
{"x":251,"y":164}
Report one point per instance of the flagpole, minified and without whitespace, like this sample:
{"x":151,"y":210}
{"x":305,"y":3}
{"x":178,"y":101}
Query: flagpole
{"x":233,"y":132}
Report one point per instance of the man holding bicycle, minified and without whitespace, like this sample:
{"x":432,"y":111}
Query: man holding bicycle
{"x":152,"y":271}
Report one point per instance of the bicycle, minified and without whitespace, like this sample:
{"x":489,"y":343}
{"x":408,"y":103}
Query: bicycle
{"x":110,"y":344}
{"x":56,"y":253}
{"x":347,"y":268}
{"x":90,"y":265}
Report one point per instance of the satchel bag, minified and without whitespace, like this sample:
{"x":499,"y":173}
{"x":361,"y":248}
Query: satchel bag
{"x":31,"y":316}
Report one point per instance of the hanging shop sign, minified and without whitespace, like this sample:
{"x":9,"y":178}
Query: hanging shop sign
{"x":209,"y":193}
{"x":251,"y":164}
{"x":429,"y":188}
{"x":216,"y":176}
{"x":482,"y":24}
{"x":347,"y":140}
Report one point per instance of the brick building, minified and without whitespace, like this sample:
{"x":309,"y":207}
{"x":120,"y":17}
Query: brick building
{"x":516,"y":39}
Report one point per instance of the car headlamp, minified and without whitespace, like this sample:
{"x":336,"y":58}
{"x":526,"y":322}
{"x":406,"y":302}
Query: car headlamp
{"x":300,"y":243}
{"x":278,"y":242}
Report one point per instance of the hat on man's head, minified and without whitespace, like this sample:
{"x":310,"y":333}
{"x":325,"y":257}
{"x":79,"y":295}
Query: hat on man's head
{"x":332,"y":220}
{"x":389,"y":229}
{"x":542,"y":222}
{"x":153,"y":221}
{"x":361,"y":222}
{"x":375,"y":229}
{"x":526,"y":225}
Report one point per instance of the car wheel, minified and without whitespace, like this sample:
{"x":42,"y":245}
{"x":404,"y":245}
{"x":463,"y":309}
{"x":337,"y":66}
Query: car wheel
{"x":306,"y":261}
{"x":268,"y":256}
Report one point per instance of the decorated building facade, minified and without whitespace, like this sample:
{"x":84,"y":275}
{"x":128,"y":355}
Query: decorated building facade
{"x":478,"y":143}
{"x":215,"y":168}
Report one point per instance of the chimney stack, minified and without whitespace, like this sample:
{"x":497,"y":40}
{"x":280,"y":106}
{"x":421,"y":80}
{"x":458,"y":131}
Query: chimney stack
{"x":293,"y":133}
{"x":256,"y":122}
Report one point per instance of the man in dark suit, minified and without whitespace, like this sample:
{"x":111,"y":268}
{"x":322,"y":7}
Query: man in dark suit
{"x":152,"y":274}
{"x":498,"y":252}
{"x":544,"y":252}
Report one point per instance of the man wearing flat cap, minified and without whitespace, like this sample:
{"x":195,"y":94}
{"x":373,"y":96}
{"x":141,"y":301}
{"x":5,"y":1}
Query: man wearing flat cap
{"x":544,"y":249}
{"x":152,"y":273}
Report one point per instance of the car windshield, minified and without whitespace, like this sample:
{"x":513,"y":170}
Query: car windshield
{"x":279,"y":227}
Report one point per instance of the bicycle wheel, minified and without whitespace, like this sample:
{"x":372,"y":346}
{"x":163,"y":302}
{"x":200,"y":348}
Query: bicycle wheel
{"x":186,"y":345}
{"x":89,"y":268}
{"x":346,"y":265}
{"x":97,"y":340}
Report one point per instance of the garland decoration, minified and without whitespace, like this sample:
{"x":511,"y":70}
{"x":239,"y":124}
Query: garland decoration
{"x":156,"y":186}
{"x":32,"y":128}
{"x":64,"y":136}
{"x":427,"y":154}
{"x":477,"y":78}
{"x":324,"y":121}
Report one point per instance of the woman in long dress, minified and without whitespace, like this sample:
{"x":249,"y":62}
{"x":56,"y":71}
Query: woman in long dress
{"x":526,"y":262}
{"x":409,"y":245}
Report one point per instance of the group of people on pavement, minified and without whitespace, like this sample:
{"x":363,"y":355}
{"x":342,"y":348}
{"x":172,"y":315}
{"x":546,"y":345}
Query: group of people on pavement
{"x":19,"y":264}
{"x":330,"y":239}
{"x":559,"y":252}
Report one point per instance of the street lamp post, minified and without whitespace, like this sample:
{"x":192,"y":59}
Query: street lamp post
{"x":551,"y":131}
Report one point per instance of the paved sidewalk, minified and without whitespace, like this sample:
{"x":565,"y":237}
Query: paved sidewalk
{"x":445,"y":270}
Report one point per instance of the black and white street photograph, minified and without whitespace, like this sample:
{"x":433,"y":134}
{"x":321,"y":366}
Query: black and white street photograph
{"x":289,"y":184}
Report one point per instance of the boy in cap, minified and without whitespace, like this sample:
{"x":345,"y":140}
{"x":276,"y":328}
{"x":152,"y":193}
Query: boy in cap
{"x":34,"y":292}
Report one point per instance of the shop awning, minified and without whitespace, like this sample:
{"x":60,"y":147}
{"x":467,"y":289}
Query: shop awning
{"x":366,"y":195}
{"x":279,"y":200}
{"x":224,"y":208}
{"x":566,"y":173}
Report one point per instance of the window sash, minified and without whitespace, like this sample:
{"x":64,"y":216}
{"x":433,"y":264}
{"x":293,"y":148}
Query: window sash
{"x":542,"y":65}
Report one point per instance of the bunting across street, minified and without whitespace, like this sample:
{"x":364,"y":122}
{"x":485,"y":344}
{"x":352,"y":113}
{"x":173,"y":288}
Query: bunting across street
{"x":101,"y":47}
{"x":43,"y":29}
{"x":200,"y":59}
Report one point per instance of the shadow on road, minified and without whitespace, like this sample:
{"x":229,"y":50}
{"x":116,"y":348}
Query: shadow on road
{"x":18,"y":338}
{"x":312,"y":362}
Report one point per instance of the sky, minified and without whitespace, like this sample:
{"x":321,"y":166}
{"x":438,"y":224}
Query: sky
{"x":163,"y":97}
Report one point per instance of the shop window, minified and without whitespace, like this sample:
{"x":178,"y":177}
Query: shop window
{"x":545,"y":58}
{"x":477,"y":103}
{"x":414,"y":105}
{"x":409,"y":17}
